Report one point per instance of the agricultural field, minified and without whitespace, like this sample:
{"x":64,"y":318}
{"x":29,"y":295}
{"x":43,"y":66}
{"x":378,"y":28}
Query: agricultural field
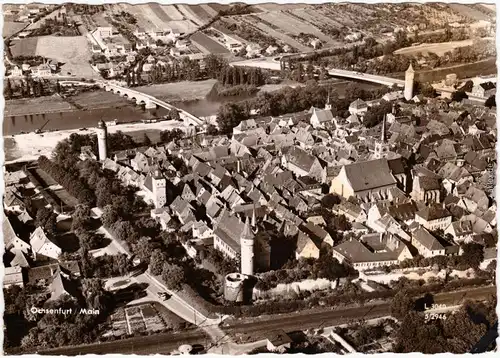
{"x":207,"y":45}
{"x":11,"y":27}
{"x":73,"y":52}
{"x":438,"y":48}
{"x":24,"y":47}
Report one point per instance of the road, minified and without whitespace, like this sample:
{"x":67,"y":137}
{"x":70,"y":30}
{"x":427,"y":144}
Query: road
{"x":256,"y":329}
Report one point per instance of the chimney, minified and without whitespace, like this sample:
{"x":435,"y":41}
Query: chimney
{"x":238,"y":166}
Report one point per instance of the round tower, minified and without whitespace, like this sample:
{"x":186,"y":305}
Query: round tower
{"x":234,"y":286}
{"x":409,"y":82}
{"x":102,"y":139}
{"x":247,"y":250}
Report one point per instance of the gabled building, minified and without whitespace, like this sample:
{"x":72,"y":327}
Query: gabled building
{"x":42,"y":246}
{"x":426,"y":244}
{"x":11,"y":241}
{"x":434,"y":217}
{"x":155,"y":187}
{"x":364,"y":180}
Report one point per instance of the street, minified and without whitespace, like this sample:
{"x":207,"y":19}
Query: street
{"x":257,"y":329}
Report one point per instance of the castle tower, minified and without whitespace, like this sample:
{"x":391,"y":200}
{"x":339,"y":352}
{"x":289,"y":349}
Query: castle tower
{"x":409,"y":82}
{"x":247,"y":249}
{"x":159,"y":189}
{"x":102,"y":139}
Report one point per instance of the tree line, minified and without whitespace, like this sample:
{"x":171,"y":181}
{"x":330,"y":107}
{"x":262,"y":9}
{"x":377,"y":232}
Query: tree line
{"x":71,"y":183}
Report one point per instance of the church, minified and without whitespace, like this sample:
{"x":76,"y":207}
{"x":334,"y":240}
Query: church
{"x":368,"y":180}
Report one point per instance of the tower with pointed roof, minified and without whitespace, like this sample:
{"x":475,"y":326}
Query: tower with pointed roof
{"x":247,"y":249}
{"x":328,"y":105}
{"x":102,"y":140}
{"x":409,"y":82}
{"x":381,"y":146}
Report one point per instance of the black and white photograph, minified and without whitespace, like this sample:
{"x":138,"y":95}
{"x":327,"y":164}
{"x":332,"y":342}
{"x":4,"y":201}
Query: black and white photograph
{"x":245,"y":178}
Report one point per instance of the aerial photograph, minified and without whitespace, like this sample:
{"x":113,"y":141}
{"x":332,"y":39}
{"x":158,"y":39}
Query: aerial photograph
{"x":249,"y":178}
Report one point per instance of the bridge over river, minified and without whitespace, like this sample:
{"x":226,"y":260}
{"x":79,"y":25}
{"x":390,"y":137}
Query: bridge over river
{"x":149,"y":101}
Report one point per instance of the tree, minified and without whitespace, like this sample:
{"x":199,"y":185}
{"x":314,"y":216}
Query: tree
{"x":81,"y":217}
{"x":8,"y":90}
{"x":157,"y":261}
{"x":146,"y":141}
{"x":212,"y":130}
{"x":109,"y":216}
{"x":329,"y":200}
{"x":174,"y":114}
{"x":401,"y":304}
{"x":173,"y":276}
{"x":491,"y":102}
{"x":47,"y":220}
{"x":458,"y":96}
{"x":473,"y":255}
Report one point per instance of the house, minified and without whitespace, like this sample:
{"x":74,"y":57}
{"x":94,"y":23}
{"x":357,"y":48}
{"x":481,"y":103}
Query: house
{"x":155,"y":187}
{"x":42,"y":246}
{"x":426,"y":244}
{"x":103,"y":32}
{"x":301,"y":163}
{"x":12,"y":200}
{"x":426,"y":189}
{"x":316,"y":233}
{"x":353,"y":212}
{"x":372,"y":251}
{"x":16,"y":72}
{"x":307,"y":247}
{"x":278,"y":341}
{"x":13,"y":276}
{"x":434,"y":217}
{"x":11,"y":241}
{"x":358,"y":107}
{"x":484,"y":90}
{"x":43,"y":70}
{"x":227,"y":233}
{"x":364,"y":180}
{"x":460,"y":230}
{"x":320,"y":117}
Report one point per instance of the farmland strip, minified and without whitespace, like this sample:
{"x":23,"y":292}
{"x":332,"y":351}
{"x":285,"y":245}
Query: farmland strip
{"x":207,"y":44}
{"x":200,"y":13}
{"x":151,"y":15}
{"x":189,"y":14}
{"x":172,"y":12}
{"x":209,"y":10}
{"x":159,"y":12}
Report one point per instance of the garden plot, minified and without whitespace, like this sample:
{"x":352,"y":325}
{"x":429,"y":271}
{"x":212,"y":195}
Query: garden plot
{"x":119,"y":325}
{"x":273,"y":33}
{"x":135,"y":320}
{"x":151,"y":319}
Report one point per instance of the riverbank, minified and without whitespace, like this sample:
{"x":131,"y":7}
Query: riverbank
{"x":30,"y":146}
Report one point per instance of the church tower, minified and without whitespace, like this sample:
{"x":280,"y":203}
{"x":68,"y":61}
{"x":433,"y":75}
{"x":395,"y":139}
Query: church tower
{"x":159,"y":189}
{"x":328,"y":105}
{"x":409,"y":82}
{"x":247,"y":249}
{"x":381,"y":146}
{"x":102,"y":140}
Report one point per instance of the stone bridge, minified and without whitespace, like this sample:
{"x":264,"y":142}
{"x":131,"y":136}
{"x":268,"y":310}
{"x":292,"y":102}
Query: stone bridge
{"x":149,"y":101}
{"x":386,"y":81}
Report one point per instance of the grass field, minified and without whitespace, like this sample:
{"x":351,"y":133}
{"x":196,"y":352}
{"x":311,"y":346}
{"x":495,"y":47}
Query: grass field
{"x":437,"y":48}
{"x":24,"y":47}
{"x":20,"y":107}
{"x":73,"y":52}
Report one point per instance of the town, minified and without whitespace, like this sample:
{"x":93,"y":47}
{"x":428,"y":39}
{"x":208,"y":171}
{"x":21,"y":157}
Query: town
{"x":351,"y":208}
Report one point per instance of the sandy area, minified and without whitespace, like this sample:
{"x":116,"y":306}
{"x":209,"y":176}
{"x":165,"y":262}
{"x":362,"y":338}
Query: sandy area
{"x":30,"y":146}
{"x":72,"y":51}
{"x":179,"y":91}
